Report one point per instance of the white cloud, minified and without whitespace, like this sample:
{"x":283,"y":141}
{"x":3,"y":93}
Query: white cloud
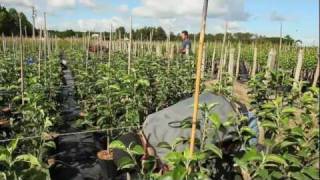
{"x":100,"y":24}
{"x":275,"y":16}
{"x":123,"y":8}
{"x":227,"y":9}
{"x":88,"y":3}
{"x":61,"y":3}
{"x":22,"y":3}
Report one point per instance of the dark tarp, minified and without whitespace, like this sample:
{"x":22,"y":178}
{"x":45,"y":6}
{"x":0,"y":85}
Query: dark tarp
{"x":158,"y":126}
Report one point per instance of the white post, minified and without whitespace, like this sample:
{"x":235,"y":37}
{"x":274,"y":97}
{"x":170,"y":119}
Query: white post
{"x":130,"y":44}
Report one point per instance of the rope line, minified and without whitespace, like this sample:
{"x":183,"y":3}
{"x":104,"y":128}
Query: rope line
{"x":71,"y":133}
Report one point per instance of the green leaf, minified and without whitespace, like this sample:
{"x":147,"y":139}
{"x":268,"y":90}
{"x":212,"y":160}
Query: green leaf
{"x":199,"y":156}
{"x":287,"y":143}
{"x":213,"y":148}
{"x":289,"y":110}
{"x":215,"y":119}
{"x":50,"y":144}
{"x":277,"y":175}
{"x":174,"y":157}
{"x":164,"y":145}
{"x":47,"y":123}
{"x":137,"y":149}
{"x":268,"y":124}
{"x":311,"y":172}
{"x":125,"y":163}
{"x":292,"y":159}
{"x":247,"y":130}
{"x":179,"y":140}
{"x":117,"y":145}
{"x":251,"y":155}
{"x":299,"y":176}
{"x":13,"y":145}
{"x":28,"y":158}
{"x":275,"y":159}
{"x":297,"y":131}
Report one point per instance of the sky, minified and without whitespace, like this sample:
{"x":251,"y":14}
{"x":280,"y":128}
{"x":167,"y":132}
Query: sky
{"x":300,"y":18}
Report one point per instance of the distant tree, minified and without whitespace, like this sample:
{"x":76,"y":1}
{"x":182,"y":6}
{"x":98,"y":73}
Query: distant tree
{"x":9,"y":22}
{"x":120,"y":30}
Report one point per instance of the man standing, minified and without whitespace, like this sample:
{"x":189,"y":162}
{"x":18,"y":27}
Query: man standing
{"x":186,"y":43}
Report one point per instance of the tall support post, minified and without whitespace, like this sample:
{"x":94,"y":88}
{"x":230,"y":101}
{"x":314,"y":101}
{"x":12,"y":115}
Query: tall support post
{"x":238,"y":61}
{"x":198,"y":76}
{"x":110,"y":45}
{"x":130,"y":46}
{"x":254,"y":66}
{"x":21,"y":62}
{"x":316,"y":74}
{"x":212,"y":60}
{"x":298,"y":68}
{"x":33,"y":22}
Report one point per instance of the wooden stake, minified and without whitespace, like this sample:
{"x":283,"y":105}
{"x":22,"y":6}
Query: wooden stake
{"x":110,"y":45}
{"x":316,"y":74}
{"x":21,"y":62}
{"x":212,"y":61}
{"x":222,"y":52}
{"x":298,"y":68}
{"x":3,"y":43}
{"x":203,"y":61}
{"x":33,"y":22}
{"x":39,"y":53}
{"x":238,"y":60}
{"x":254,"y":66}
{"x":198,"y":77}
{"x":130,"y":46}
{"x":231,"y":62}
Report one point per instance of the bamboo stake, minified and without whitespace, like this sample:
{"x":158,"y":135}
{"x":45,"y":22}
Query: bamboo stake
{"x":212,"y":61}
{"x":222,"y":53}
{"x":87,"y":52}
{"x":316,"y":74}
{"x":271,"y":57}
{"x":45,"y":46}
{"x":130,"y":46}
{"x":110,"y":45}
{"x":238,"y":60}
{"x":198,"y":77}
{"x":254,"y":66}
{"x":231,"y":62}
{"x":33,"y":22}
{"x":3,"y":43}
{"x":39,"y":53}
{"x":21,"y":62}
{"x":298,"y":67}
{"x":203,"y":61}
{"x":280,"y":43}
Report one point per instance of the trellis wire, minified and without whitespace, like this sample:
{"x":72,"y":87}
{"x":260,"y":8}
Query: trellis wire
{"x":72,"y":133}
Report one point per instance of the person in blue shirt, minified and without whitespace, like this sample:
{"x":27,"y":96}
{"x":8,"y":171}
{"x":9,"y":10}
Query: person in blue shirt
{"x":186,"y":43}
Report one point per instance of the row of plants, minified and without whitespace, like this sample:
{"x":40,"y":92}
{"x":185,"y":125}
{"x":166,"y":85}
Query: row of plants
{"x":32,"y":114}
{"x":110,"y":96}
{"x":287,"y":144}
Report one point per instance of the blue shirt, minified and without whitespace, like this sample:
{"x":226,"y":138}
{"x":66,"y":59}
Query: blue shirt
{"x":186,"y":44}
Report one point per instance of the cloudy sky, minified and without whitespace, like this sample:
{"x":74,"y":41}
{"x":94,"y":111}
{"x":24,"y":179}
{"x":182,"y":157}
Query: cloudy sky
{"x":300,"y":18}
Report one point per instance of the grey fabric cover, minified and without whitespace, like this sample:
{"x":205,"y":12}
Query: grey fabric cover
{"x":157,"y":128}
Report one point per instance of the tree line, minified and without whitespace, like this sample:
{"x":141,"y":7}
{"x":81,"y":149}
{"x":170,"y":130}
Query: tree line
{"x":9,"y":25}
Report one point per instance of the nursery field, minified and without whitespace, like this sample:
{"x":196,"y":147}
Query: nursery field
{"x":64,"y":100}
{"x":107,"y":105}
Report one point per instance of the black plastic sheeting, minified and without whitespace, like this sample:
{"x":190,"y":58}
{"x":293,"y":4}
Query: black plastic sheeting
{"x":243,"y":72}
{"x":75,"y":155}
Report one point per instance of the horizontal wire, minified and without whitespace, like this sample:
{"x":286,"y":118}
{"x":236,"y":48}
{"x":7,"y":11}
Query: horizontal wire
{"x":71,"y":133}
